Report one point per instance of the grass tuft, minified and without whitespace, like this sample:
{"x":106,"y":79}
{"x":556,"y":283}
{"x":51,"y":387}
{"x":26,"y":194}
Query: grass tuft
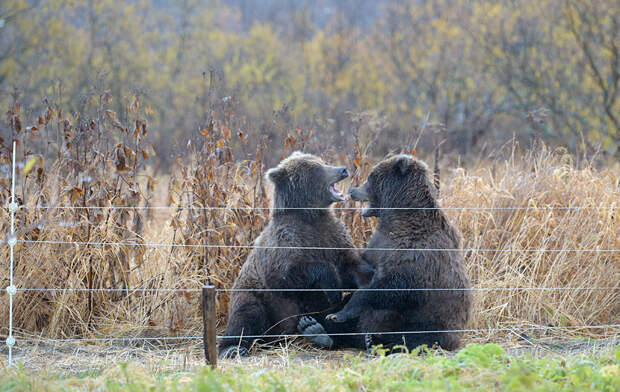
{"x":476,"y":367}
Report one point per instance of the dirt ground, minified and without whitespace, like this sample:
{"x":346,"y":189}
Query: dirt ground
{"x":80,"y":357}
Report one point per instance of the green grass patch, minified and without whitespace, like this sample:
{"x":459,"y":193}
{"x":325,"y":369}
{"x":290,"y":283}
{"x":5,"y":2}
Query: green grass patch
{"x":476,"y":367}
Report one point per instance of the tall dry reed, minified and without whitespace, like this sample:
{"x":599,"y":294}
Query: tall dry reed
{"x":103,"y":162}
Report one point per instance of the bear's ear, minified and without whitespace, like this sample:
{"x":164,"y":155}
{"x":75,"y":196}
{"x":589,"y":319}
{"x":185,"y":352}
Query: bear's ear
{"x":276,"y":174}
{"x":402,"y":165}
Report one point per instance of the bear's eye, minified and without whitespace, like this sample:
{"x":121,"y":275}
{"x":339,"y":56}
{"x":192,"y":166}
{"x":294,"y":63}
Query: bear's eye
{"x":316,"y":171}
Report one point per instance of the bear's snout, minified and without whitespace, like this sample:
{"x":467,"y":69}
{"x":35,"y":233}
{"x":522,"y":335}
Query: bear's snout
{"x":359,"y":194}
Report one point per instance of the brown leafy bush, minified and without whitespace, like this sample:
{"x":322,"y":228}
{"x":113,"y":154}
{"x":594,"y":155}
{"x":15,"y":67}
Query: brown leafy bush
{"x":213,"y":203}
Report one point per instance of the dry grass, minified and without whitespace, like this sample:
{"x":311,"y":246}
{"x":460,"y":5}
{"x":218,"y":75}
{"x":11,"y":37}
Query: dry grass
{"x":118,"y":174}
{"x":539,"y":180}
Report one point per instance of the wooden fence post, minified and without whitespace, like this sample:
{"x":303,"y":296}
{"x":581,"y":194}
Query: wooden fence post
{"x":208,"y":325}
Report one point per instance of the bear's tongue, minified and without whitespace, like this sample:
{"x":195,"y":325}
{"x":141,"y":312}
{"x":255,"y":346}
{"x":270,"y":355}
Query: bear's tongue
{"x":335,"y":192}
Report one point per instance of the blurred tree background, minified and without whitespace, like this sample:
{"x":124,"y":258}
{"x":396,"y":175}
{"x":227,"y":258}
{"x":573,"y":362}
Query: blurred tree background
{"x":339,"y":69}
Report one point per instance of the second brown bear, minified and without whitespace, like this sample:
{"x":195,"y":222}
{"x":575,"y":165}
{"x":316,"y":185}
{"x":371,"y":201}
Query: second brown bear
{"x":415,"y":250}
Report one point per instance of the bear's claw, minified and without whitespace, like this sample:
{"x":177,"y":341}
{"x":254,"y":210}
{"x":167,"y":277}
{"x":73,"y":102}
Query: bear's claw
{"x":305,"y":322}
{"x":368,"y":342}
{"x":309,"y":326}
{"x":336,"y":317}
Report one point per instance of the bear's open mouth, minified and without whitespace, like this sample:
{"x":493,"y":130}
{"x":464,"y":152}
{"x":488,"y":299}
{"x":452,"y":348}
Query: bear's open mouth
{"x":336,"y":194}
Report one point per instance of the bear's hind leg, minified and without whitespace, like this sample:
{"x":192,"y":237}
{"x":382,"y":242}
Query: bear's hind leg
{"x":249,"y":319}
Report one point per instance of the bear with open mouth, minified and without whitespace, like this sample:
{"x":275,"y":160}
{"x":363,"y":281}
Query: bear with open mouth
{"x":304,"y":246}
{"x":415,"y":251}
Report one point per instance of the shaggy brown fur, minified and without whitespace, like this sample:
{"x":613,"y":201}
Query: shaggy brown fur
{"x":300,"y":181}
{"x":404,"y":182}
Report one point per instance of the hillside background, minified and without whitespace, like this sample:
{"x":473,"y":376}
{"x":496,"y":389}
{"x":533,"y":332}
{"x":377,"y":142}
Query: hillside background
{"x":470,"y":75}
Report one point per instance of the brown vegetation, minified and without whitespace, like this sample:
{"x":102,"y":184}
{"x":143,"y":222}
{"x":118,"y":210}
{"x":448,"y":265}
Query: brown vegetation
{"x":102,"y":162}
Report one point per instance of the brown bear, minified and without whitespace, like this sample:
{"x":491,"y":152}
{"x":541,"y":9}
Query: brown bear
{"x":416,"y":248}
{"x":304,"y":188}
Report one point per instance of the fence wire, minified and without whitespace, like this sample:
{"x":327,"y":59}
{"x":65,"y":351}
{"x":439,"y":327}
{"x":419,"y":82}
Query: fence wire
{"x":232,"y":208}
{"x":241,"y":290}
{"x":299,"y":335}
{"x":223,"y":246}
{"x":487,"y":330}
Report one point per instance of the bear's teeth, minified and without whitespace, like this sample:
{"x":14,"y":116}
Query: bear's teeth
{"x":335,"y":192}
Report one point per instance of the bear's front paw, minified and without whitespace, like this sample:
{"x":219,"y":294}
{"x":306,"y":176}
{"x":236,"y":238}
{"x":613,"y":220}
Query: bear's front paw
{"x":315,"y":332}
{"x":339,"y":317}
{"x":233,"y":352}
{"x":306,"y":322}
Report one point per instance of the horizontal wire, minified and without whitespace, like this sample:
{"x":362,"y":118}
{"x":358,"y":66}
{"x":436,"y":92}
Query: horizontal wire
{"x":432,"y":289}
{"x":182,"y":290}
{"x":310,"y":208}
{"x":104,"y":339}
{"x":307,"y":247}
{"x":100,"y":339}
{"x":420,"y":332}
{"x":154,"y":290}
{"x":526,"y":341}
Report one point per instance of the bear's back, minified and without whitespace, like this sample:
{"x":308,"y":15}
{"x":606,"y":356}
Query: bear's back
{"x":435,"y":262}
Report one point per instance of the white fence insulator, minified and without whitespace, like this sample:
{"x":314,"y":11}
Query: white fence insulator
{"x":12,"y":290}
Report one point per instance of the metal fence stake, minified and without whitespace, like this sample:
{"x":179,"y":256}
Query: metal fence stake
{"x":208,"y":325}
{"x":12,"y":290}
